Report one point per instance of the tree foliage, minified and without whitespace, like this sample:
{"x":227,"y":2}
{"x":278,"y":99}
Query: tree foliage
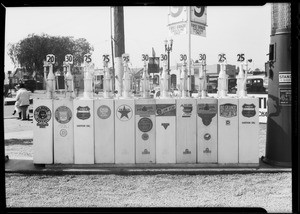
{"x":31,"y":51}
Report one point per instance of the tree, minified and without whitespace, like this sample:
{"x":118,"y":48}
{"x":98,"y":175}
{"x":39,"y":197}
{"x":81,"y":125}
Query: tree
{"x":31,"y":51}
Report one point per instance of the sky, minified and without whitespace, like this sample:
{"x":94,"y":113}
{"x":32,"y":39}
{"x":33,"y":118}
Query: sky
{"x":230,"y":30}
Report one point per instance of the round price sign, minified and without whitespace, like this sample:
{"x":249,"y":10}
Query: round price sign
{"x":106,"y":58}
{"x":50,"y":58}
{"x":69,"y":58}
{"x":87,"y":58}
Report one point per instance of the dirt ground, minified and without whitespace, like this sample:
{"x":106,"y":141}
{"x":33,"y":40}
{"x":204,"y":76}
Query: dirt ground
{"x":271,"y":191}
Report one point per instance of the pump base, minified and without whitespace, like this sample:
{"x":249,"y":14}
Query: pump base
{"x":276,"y":163}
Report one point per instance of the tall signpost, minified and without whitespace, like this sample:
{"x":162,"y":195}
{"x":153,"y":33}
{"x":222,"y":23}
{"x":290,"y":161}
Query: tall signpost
{"x":279,"y":130}
{"x":188,"y":20}
{"x":119,"y":47}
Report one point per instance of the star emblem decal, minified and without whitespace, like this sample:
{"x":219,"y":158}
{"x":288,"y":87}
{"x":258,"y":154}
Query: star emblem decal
{"x":124,"y":112}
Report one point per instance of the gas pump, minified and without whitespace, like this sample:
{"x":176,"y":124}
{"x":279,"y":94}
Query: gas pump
{"x":83,"y":118}
{"x":124,"y":120}
{"x":186,"y":121}
{"x":227,"y":119}
{"x":248,"y":118}
{"x":43,"y":119}
{"x":165,"y":121}
{"x":207,"y":120}
{"x":64,"y":119}
{"x":145,"y":121}
{"x":104,"y":119}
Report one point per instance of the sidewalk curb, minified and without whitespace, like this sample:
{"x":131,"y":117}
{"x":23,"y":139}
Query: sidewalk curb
{"x":27,"y":167}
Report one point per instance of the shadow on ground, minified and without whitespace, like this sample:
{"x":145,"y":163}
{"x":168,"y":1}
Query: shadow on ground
{"x":14,"y":141}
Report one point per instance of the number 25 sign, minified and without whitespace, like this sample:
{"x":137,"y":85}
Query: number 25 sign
{"x":87,"y":58}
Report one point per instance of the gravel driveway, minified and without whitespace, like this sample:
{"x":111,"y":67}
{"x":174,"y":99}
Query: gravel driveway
{"x":271,"y":191}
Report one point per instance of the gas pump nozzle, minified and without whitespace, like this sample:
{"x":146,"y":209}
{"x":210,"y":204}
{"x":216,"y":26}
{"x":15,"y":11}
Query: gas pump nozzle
{"x":145,"y":81}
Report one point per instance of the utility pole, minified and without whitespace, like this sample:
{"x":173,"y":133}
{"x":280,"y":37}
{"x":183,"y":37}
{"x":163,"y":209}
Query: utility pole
{"x":119,"y":39}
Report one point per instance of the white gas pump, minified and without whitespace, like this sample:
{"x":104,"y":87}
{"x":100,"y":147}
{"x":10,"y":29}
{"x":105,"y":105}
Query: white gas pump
{"x":43,"y":119}
{"x":83,"y":118}
{"x":104,"y":119}
{"x":145,"y":121}
{"x":248,"y":113}
{"x":227,"y":119}
{"x":207,"y":120}
{"x":64,"y":119}
{"x":125,"y":120}
{"x":185,"y":120}
{"x":165,"y":121}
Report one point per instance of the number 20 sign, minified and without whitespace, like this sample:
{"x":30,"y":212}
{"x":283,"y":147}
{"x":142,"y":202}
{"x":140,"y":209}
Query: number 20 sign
{"x":50,"y":58}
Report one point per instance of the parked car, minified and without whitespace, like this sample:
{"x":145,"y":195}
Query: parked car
{"x":255,"y":85}
{"x":30,"y":85}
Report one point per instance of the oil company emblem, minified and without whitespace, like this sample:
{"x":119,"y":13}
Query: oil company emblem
{"x":104,"y":112}
{"x":63,"y":132}
{"x":228,"y":110}
{"x":63,"y":114}
{"x":124,"y":112}
{"x":187,"y":152}
{"x":207,"y":136}
{"x":145,"y":152}
{"x":207,"y":151}
{"x":166,"y":110}
{"x":145,"y":124}
{"x":206,"y":112}
{"x":145,"y":136}
{"x":248,"y":110}
{"x":165,"y":125}
{"x":42,"y":115}
{"x":187,"y":110}
{"x":145,"y":110}
{"x":83,"y":112}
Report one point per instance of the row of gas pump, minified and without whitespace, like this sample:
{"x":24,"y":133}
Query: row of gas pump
{"x":129,"y":130}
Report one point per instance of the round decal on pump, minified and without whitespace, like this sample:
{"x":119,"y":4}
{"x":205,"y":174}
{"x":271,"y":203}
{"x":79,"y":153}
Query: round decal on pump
{"x":145,"y":124}
{"x":207,"y":136}
{"x":63,"y":132}
{"x":63,"y":114}
{"x":145,"y":136}
{"x":124,"y":112}
{"x":42,"y":115}
{"x":104,"y":112}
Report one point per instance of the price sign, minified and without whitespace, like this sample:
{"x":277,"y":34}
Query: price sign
{"x":50,"y":58}
{"x":106,"y":58}
{"x":87,"y":58}
{"x":222,"y":57}
{"x":183,"y":57}
{"x":145,"y":57}
{"x":202,"y":57}
{"x":69,"y":58}
{"x":163,"y":57}
{"x":241,"y":57}
{"x":125,"y":58}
